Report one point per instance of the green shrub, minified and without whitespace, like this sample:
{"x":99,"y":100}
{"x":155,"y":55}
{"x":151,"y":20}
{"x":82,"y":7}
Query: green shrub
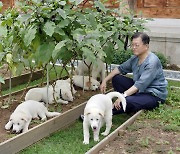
{"x":162,"y":58}
{"x":121,"y":56}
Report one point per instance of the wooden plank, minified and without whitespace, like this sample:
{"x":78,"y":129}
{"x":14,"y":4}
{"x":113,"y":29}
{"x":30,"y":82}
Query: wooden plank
{"x":35,"y":134}
{"x":114,"y":134}
{"x":21,"y":79}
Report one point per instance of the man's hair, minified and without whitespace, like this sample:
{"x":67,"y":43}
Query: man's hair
{"x":144,"y":37}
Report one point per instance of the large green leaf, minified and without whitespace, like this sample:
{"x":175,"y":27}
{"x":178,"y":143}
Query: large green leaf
{"x":30,"y":35}
{"x":1,"y":47}
{"x":45,"y":52}
{"x":49,"y":28}
{"x":58,"y":48}
{"x":1,"y":80}
{"x":3,"y":31}
{"x":64,"y":23}
{"x":24,"y":17}
{"x":88,"y":53}
{"x":62,"y":13}
{"x":1,"y":56}
{"x":1,"y":5}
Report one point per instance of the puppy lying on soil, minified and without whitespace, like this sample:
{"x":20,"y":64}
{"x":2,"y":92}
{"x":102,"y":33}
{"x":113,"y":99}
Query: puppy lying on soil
{"x":78,"y":81}
{"x":96,"y":69}
{"x":25,"y":112}
{"x":98,"y":110}
{"x":61,"y":93}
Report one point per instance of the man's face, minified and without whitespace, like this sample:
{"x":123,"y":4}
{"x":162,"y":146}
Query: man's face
{"x":138,"y":47}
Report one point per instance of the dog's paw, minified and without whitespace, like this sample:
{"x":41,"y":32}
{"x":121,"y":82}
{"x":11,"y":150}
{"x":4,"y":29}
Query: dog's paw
{"x":96,"y":139}
{"x":104,"y":134}
{"x":7,"y":127}
{"x":85,"y":142}
{"x":25,"y":130}
{"x":44,"y":119}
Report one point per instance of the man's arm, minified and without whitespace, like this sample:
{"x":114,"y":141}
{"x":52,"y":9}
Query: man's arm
{"x":131,"y":91}
{"x":109,"y":77}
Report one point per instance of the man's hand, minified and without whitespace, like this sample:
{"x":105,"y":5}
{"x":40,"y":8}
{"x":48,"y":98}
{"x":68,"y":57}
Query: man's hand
{"x":117,"y":104}
{"x":103,"y":87}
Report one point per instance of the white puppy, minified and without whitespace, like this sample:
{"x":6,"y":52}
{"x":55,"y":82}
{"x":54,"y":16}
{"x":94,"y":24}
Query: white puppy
{"x":25,"y":112}
{"x":78,"y":81}
{"x":96,"y":69}
{"x":65,"y":86}
{"x":61,"y":93}
{"x":98,"y":110}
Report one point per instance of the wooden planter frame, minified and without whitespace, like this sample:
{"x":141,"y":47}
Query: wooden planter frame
{"x":24,"y":78}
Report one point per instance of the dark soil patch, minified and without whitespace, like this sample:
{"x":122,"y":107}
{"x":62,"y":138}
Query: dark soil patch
{"x":145,"y":137}
{"x":173,"y":67}
{"x":81,"y":97}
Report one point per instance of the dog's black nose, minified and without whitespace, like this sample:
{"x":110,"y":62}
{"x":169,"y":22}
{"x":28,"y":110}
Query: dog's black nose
{"x":94,"y":127}
{"x":13,"y":131}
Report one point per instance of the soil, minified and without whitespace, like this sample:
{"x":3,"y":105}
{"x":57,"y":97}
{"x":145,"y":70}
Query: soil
{"x":144,"y":137}
{"x":173,"y":67}
{"x":80,"y":97}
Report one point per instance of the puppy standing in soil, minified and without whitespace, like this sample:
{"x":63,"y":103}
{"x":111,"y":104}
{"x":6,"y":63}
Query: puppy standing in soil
{"x":98,"y":110}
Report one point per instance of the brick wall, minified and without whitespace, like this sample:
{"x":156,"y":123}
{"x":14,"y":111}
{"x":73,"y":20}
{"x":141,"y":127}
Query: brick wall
{"x":7,"y":3}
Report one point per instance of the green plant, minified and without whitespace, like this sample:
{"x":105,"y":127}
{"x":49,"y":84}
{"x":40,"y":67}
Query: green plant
{"x":121,"y":56}
{"x":48,"y":30}
{"x":162,"y":58}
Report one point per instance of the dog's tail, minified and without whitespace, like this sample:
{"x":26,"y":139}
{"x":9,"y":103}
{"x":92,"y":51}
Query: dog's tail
{"x":52,"y":114}
{"x":120,"y":96}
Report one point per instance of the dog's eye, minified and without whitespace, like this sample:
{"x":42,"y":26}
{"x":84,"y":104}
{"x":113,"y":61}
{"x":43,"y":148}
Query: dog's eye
{"x":91,"y":119}
{"x":18,"y":123}
{"x":97,"y":119}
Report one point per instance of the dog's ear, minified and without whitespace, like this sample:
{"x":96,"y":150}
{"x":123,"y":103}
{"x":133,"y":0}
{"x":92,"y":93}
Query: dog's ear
{"x":101,"y":114}
{"x":24,"y":119}
{"x":87,"y":113}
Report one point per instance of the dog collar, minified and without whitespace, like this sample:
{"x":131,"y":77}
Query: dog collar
{"x":60,"y":95}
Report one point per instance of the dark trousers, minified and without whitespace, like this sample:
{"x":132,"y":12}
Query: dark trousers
{"x":136,"y":101}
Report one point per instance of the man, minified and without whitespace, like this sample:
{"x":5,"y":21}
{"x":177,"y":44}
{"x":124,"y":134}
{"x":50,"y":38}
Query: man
{"x":148,"y":86}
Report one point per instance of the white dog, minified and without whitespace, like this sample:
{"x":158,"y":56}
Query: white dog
{"x":65,"y":85}
{"x":78,"y":81}
{"x":96,"y":69}
{"x":61,"y":93}
{"x":98,"y":110}
{"x":25,"y":112}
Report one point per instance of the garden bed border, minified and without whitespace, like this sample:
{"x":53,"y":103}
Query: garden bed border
{"x":21,"y":141}
{"x":113,"y":135}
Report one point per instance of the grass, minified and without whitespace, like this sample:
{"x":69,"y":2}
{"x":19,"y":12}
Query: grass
{"x":169,"y":112}
{"x":69,"y":140}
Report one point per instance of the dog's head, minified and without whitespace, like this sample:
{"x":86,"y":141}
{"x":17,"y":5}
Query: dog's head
{"x":18,"y":121}
{"x":95,"y":118}
{"x":66,"y":95}
{"x":94,"y":84}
